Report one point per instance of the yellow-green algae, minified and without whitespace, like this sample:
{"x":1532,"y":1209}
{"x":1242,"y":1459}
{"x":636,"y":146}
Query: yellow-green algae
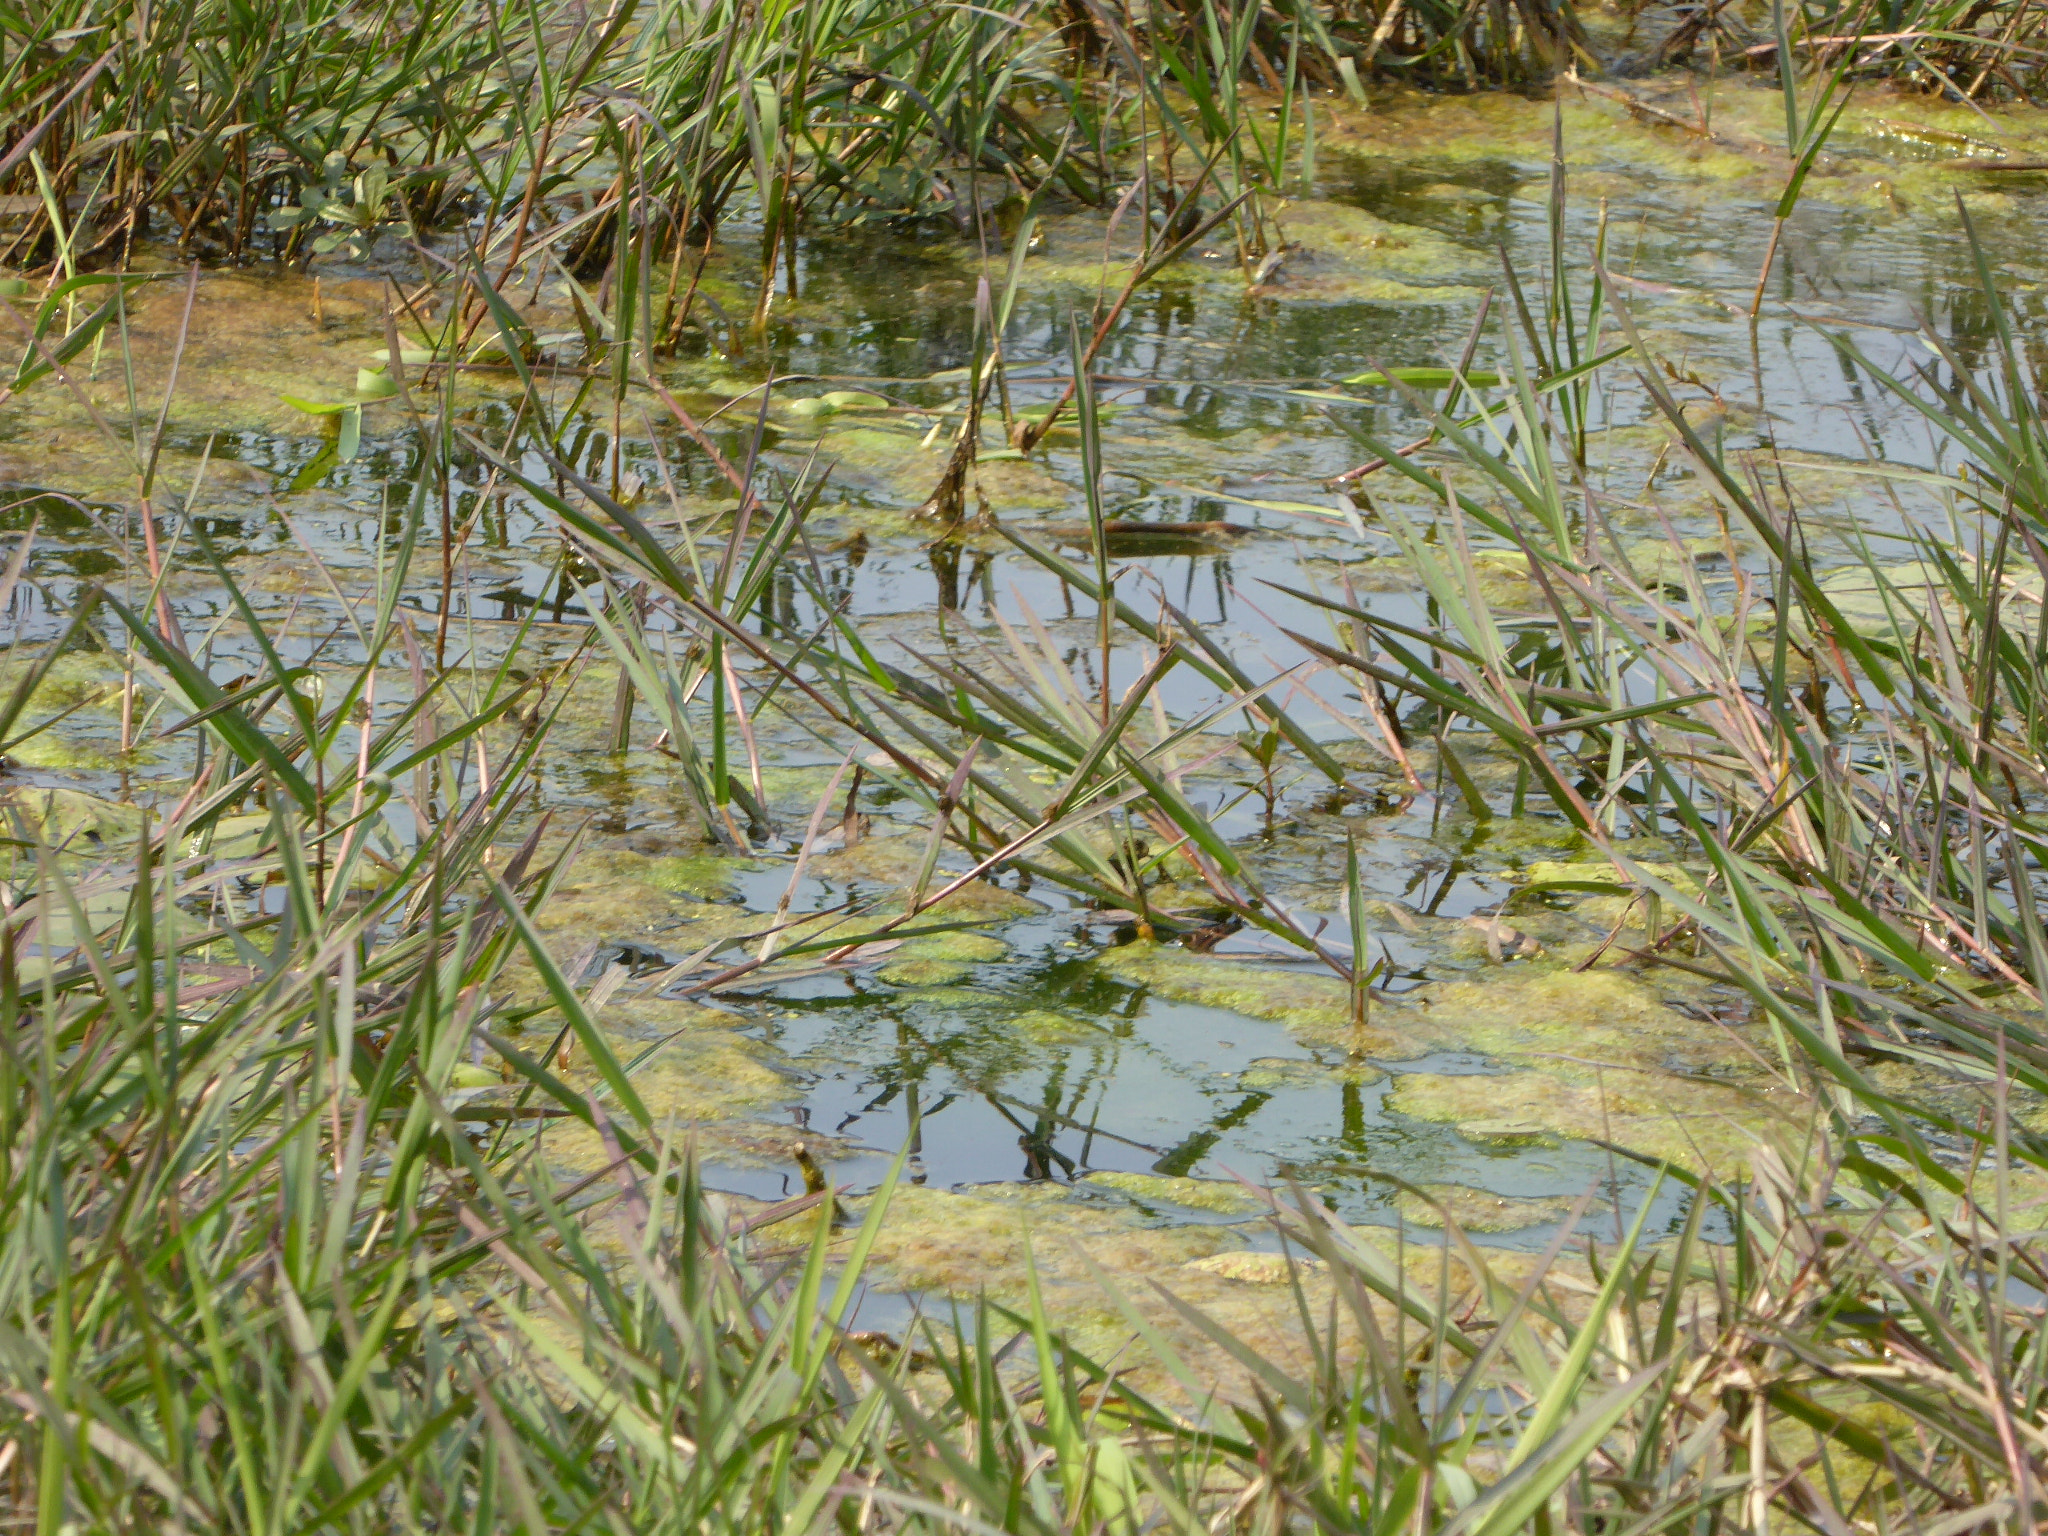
{"x":1347,"y":254}
{"x":925,"y":973}
{"x":1876,"y":600}
{"x":89,"y":685}
{"x":963,"y":945}
{"x":1269,"y":1072}
{"x":1945,"y":1092}
{"x":894,"y":862}
{"x":1042,"y":1026}
{"x":706,"y":877}
{"x":1574,"y":1022}
{"x":71,"y":679}
{"x":1609,"y":907}
{"x":705,"y":1084}
{"x":612,"y":906}
{"x":941,"y":959}
{"x":975,"y":1241}
{"x":76,"y":752}
{"x":1217,"y":1196}
{"x":963,"y":1241}
{"x":68,"y":818}
{"x":1019,"y":485}
{"x":1249,"y":1267}
{"x":1695,"y":1123}
{"x":1476,"y":1210}
{"x":1600,"y":1054}
{"x":1570,"y":1023}
{"x":1318,"y":1006}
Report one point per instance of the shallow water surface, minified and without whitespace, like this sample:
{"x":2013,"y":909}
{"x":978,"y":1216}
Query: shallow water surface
{"x":1055,"y":1048}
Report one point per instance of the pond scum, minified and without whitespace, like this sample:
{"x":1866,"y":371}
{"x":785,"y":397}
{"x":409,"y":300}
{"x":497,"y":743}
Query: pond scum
{"x":349,"y":1182}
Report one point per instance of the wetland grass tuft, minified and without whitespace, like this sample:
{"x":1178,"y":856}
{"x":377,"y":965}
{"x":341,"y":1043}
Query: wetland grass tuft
{"x":291,"y":1076}
{"x":537,"y":134}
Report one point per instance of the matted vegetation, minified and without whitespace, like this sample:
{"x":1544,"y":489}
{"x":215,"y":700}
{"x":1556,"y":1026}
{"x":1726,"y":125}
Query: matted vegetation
{"x":330,"y":1201}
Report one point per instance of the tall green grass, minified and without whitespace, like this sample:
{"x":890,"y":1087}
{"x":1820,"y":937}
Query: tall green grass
{"x":298,"y":127}
{"x":268,"y":1264}
{"x":536,"y":132}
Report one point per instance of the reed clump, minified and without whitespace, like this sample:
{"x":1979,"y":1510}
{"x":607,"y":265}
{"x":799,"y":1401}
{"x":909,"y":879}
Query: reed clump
{"x":289,"y":129}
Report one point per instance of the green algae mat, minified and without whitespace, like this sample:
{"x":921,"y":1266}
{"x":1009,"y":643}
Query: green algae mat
{"x":1117,"y":1075}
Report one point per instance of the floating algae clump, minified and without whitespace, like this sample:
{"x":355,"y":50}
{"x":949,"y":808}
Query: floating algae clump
{"x":1217,"y":1196}
{"x":834,"y":401}
{"x":76,"y":752}
{"x":963,"y":945}
{"x":895,"y":862}
{"x":1476,"y":1210}
{"x":1347,"y":254}
{"x":1505,"y":1133}
{"x":1042,"y":1026}
{"x":1569,"y":1023}
{"x":1316,"y":1006}
{"x":69,"y":819}
{"x":1513,"y":836}
{"x":1707,"y":1126}
{"x":1252,"y":1268}
{"x":881,"y":456}
{"x":1270,"y":1072}
{"x":707,"y":1076}
{"x":612,"y":894}
{"x":1962,"y":1099}
{"x":707,"y":877}
{"x":625,"y":908}
{"x":1615,"y":898}
{"x":925,"y":973}
{"x":968,"y":1241}
{"x":1879,"y":600}
{"x":1601,"y":1054}
{"x":975,"y":1241}
{"x":1018,"y":485}
{"x":74,"y":678}
{"x":701,"y":1086}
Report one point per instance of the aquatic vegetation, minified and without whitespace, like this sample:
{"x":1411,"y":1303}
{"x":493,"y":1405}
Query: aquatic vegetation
{"x":915,"y":972}
{"x":1212,"y":1195}
{"x":1477,"y":1210}
{"x":1698,"y":1124}
{"x":1027,"y":577}
{"x":1317,"y":1006}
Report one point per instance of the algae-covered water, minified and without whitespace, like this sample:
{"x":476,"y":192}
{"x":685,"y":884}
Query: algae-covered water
{"x":1039,"y":1043}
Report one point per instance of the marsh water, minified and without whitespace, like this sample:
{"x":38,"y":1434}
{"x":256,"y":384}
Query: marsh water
{"x":1043,"y":1045}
